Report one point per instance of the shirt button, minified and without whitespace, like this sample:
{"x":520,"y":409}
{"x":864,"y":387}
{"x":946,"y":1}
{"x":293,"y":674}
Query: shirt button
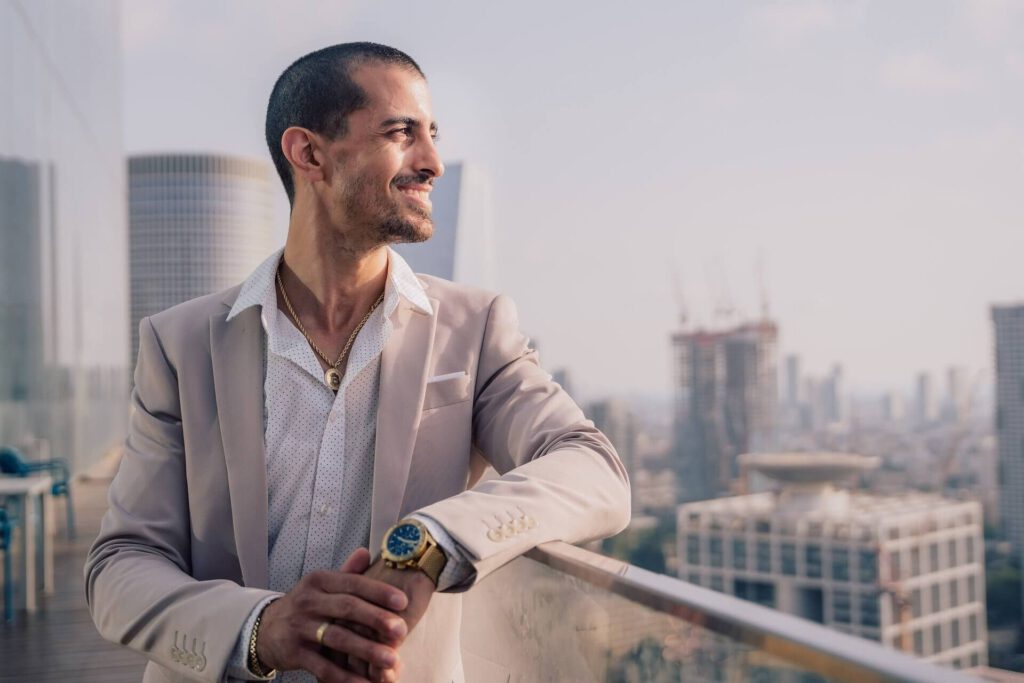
{"x":324,"y":509}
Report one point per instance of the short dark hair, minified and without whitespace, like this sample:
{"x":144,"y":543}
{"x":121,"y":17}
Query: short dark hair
{"x":317,"y":92}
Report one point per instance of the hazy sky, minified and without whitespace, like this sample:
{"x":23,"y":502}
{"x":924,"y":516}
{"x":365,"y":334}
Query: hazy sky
{"x":870,"y":154}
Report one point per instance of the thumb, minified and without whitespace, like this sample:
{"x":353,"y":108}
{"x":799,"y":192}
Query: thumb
{"x":357,"y":562}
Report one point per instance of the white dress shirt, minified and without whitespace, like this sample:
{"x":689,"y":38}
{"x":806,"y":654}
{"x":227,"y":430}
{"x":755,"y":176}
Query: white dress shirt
{"x":320,"y":445}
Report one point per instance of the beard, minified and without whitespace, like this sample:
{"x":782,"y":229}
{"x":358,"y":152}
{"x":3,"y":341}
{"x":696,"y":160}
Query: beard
{"x":386,"y":220}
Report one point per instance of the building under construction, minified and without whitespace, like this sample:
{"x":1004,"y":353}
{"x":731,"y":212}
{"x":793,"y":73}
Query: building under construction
{"x":726,"y":387}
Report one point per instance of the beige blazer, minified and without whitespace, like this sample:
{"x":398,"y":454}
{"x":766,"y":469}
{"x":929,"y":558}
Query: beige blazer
{"x":181,"y":558}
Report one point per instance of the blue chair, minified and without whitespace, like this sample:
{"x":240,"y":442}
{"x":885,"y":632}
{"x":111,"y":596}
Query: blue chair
{"x":6,"y":530}
{"x":11,"y":462}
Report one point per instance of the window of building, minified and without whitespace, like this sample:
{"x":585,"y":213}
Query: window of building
{"x":756,"y":591}
{"x":954,"y":593}
{"x":695,"y":578}
{"x":869,"y":610}
{"x":972,"y":627}
{"x":788,"y":552}
{"x":715,"y":552}
{"x":933,"y":557}
{"x":937,"y":639}
{"x":970,"y":549}
{"x":953,"y":559}
{"x":868,"y":566}
{"x":954,"y":634}
{"x":936,"y":599}
{"x":972,"y":589}
{"x":919,"y":642}
{"x":812,"y":561}
{"x":841,"y":606}
{"x":764,"y":556}
{"x":915,"y":561}
{"x":840,"y":564}
{"x":693,"y":549}
{"x":763,"y":526}
{"x":915,"y":603}
{"x":739,"y":553}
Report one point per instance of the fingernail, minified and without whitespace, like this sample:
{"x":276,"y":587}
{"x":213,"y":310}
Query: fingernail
{"x":397,"y":628}
{"x":387,"y":659}
{"x":397,"y":601}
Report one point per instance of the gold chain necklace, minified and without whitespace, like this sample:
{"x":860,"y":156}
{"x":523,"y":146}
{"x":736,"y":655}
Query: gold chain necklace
{"x":332,"y":376}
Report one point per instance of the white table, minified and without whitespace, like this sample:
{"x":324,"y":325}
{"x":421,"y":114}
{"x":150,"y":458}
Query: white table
{"x":32,"y":499}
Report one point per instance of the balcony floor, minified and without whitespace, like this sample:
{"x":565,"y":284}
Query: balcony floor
{"x":59,"y":642}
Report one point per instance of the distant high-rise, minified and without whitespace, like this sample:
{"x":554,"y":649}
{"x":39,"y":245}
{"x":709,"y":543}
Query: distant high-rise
{"x":726,"y":403}
{"x":792,"y":389}
{"x":199,"y":223}
{"x":958,"y":395}
{"x":63,"y":238}
{"x":925,"y":410}
{"x":1009,"y":357}
{"x":614,"y":418}
{"x":461,"y":248}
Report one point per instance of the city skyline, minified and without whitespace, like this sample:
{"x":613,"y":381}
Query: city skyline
{"x":870,"y":156}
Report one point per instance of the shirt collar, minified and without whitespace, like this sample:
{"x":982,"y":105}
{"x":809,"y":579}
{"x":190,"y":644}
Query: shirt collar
{"x":259,"y":288}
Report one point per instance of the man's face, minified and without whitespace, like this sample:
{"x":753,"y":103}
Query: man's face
{"x":386,"y":164}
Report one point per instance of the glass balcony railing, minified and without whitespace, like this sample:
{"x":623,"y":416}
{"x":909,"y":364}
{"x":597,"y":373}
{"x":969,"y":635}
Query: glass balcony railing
{"x":561,"y":613}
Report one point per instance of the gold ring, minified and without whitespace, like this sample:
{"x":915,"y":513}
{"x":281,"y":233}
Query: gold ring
{"x":321,"y":631}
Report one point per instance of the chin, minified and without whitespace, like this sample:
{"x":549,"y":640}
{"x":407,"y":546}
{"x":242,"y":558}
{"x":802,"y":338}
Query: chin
{"x":406,"y":230}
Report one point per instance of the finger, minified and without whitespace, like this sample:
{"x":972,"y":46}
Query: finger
{"x":358,"y":562}
{"x":360,"y":615}
{"x":341,"y":639}
{"x":360,"y":667}
{"x":371,"y":590}
{"x":385,"y":675}
{"x":325,"y":671}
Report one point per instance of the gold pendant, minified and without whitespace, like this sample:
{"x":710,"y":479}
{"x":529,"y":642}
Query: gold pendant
{"x":332,"y":378}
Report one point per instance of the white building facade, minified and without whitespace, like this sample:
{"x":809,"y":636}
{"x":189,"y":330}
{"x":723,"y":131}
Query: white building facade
{"x":904,"y":571}
{"x":199,"y":223}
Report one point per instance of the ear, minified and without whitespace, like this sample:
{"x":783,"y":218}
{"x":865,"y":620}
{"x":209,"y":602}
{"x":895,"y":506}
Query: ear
{"x":300,"y":148}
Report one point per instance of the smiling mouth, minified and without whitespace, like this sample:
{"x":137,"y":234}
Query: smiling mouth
{"x":420,"y":195}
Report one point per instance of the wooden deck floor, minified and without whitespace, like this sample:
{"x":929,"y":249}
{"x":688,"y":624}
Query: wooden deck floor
{"x":59,"y":642}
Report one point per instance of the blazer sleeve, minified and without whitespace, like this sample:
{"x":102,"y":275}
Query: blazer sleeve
{"x":137,"y":574}
{"x":560,"y":477}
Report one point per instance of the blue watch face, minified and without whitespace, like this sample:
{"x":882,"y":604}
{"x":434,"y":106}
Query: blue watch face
{"x":404,"y":540}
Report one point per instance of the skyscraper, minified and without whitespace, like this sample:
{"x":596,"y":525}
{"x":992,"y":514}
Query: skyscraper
{"x":461,"y":248}
{"x":199,"y":223}
{"x":1009,"y":357}
{"x":63,"y":238}
{"x":614,"y":418}
{"x":726,"y":403}
{"x":925,"y":406}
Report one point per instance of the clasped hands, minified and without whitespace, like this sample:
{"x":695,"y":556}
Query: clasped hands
{"x":370,"y":609}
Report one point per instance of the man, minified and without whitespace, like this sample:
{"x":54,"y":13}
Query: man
{"x":284,"y":429}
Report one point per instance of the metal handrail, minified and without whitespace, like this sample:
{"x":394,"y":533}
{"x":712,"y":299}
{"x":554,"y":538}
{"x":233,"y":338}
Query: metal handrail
{"x":810,"y":646}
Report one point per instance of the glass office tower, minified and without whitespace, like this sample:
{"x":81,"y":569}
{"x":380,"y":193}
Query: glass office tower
{"x":63,"y":235}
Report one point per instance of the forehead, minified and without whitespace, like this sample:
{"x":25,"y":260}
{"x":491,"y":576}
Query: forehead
{"x":393,"y":91}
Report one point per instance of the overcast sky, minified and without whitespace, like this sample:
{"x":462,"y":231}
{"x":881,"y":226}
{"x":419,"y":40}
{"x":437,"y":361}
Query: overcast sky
{"x":869,"y":154}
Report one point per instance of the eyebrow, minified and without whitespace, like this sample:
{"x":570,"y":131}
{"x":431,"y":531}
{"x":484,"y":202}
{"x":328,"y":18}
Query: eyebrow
{"x":407,"y":121}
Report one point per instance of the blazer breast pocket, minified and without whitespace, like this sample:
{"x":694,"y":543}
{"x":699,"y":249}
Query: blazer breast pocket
{"x":445,"y":390}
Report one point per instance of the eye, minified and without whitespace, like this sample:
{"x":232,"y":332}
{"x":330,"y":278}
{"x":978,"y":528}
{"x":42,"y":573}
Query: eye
{"x":406,"y":131}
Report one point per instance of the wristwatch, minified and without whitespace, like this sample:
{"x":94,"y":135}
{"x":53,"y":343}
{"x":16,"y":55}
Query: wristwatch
{"x":408,"y":545}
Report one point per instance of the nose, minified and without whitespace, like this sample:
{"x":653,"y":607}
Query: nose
{"x":429,"y":161}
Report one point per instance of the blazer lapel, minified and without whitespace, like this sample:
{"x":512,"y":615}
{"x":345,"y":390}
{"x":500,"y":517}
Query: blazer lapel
{"x":238,"y":369}
{"x":403,"y":380}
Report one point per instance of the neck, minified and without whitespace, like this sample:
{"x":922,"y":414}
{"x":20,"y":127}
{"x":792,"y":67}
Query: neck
{"x":331,"y":279}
